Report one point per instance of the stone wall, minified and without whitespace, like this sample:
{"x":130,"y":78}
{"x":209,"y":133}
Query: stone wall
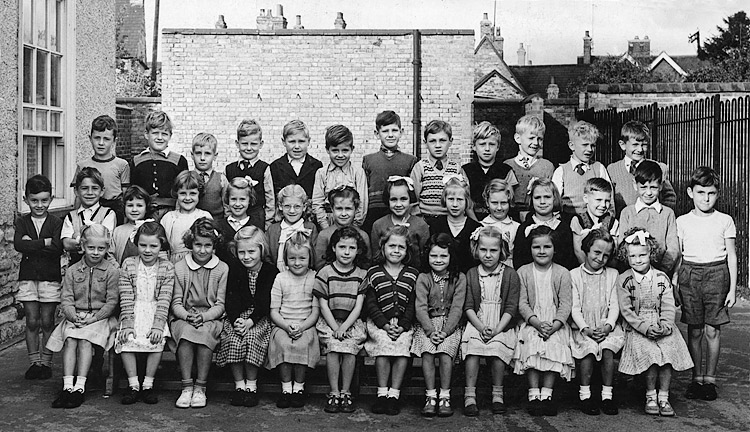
{"x":214,"y":78}
{"x":626,"y":96}
{"x":131,"y":116}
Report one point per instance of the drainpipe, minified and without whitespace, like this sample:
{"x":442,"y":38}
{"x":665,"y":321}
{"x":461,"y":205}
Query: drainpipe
{"x":417,"y":114}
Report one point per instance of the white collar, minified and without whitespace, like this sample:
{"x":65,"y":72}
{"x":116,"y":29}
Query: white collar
{"x":93,"y":208}
{"x":575,"y":162}
{"x":241,"y":222}
{"x":522,"y":157}
{"x":296,"y":161}
{"x":192,"y":265}
{"x":164,"y":153}
{"x":208,"y":173}
{"x":346,"y":168}
{"x":598,"y":272}
{"x":489,"y":220}
{"x":628,"y":161}
{"x":640,"y":205}
{"x":250,"y":162}
{"x":649,"y":275}
{"x":484,"y":273}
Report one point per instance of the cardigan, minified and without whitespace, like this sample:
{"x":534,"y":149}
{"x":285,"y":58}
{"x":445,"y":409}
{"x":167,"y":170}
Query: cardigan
{"x":430,"y":303}
{"x":274,"y":233}
{"x":386,"y":297}
{"x":510,"y":290}
{"x":155,"y":173}
{"x":215,"y":292}
{"x":562,"y":240}
{"x":562,"y":292}
{"x":283,"y":174}
{"x":39,"y":262}
{"x":238,"y":297}
{"x":629,"y":298}
{"x":128,"y":292}
{"x":464,"y":257}
{"x":625,"y":193}
{"x":90,"y":289}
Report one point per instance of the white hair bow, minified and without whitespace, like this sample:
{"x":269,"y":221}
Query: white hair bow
{"x":531,"y":227}
{"x":448,"y":177}
{"x":251,"y":181}
{"x":408,"y":180}
{"x":641,"y":235}
{"x":531,"y":183}
{"x":475,"y":235}
{"x":586,"y":231}
{"x":138,"y":224}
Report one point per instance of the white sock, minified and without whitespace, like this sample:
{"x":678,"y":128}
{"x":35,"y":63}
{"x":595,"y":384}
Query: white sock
{"x":534,"y":394}
{"x":382,"y":391}
{"x":470,"y":396}
{"x":68,"y":382}
{"x":80,"y":384}
{"x":239,"y":385}
{"x":133,"y":383}
{"x":445,"y":393}
{"x":497,"y":394}
{"x":663,"y":395}
{"x":148,"y":383}
{"x":584,"y":392}
{"x":606,"y":392}
{"x":394,"y":393}
{"x":651,"y":394}
{"x":298,"y":387}
{"x":546,"y":393}
{"x":286,"y":387}
{"x":431,"y":393}
{"x":251,"y":385}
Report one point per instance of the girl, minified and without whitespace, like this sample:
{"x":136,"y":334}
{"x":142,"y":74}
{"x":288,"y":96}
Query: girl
{"x":341,"y":332}
{"x":344,"y":204}
{"x":499,"y":196}
{"x":146,"y":285}
{"x":457,"y":199}
{"x":187,"y":189}
{"x":239,"y":195}
{"x":399,"y":196}
{"x":543,"y":348}
{"x":491,"y":308}
{"x":440,"y":294}
{"x":89,"y":298}
{"x":137,"y":201}
{"x":598,"y":336}
{"x":197,"y":308}
{"x":292,"y":206}
{"x":545,"y":204}
{"x":389,"y":302}
{"x":294,"y":341}
{"x":653,"y":343}
{"x":247,"y":329}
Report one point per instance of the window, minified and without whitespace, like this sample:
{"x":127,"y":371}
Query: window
{"x":44,"y":103}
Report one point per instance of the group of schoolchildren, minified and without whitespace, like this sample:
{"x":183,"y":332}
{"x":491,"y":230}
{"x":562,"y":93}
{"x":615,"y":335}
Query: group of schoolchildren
{"x":271,"y":265}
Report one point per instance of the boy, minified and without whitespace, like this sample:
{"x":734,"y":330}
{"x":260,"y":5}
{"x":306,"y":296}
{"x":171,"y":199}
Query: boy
{"x":485,"y":143}
{"x":296,"y":166}
{"x":597,"y":194}
{"x":428,"y":173}
{"x":386,"y":162}
{"x":204,"y":152}
{"x":155,"y":168}
{"x":634,"y":141}
{"x":37,"y":238}
{"x":249,"y":142}
{"x":115,"y":171}
{"x":650,"y":214}
{"x":527,"y":165}
{"x":339,"y":172}
{"x":571,"y":176}
{"x":706,"y":277}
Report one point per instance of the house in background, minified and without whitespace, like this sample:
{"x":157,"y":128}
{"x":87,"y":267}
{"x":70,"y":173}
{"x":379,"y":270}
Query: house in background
{"x":57,"y":60}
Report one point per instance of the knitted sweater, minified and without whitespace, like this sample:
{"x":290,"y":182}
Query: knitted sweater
{"x":162,"y":294}
{"x":625,"y":192}
{"x":239,"y":298}
{"x":39,"y":262}
{"x":386,"y":297}
{"x":510,"y":291}
{"x":155,"y":173}
{"x":478,"y":179}
{"x":628,"y":294}
{"x":561,"y":287}
{"x":563,"y":242}
{"x":419,"y":233}
{"x":283,"y":174}
{"x":432,"y":302}
{"x":662,"y":226}
{"x":542,"y":168}
{"x":378,"y":167}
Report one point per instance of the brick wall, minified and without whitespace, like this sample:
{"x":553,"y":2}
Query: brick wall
{"x":626,"y":96}
{"x":131,"y":114}
{"x":213,"y":78}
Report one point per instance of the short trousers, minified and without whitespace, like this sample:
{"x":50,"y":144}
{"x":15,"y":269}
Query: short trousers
{"x":39,"y":291}
{"x":703,"y":289}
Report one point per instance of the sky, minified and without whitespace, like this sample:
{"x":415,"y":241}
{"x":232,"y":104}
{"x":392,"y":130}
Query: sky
{"x":551,"y":30}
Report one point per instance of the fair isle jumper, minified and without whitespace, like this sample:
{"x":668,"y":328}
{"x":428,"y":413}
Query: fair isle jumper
{"x":432,"y":186}
{"x":542,"y":168}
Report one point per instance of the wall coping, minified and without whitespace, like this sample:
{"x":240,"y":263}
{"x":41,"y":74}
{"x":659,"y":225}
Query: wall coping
{"x":320,"y":32}
{"x":682,"y":87}
{"x":124,"y":107}
{"x":137,"y":100}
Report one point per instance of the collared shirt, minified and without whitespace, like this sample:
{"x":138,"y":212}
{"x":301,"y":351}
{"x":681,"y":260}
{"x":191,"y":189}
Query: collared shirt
{"x":628,"y":162}
{"x":164,"y":153}
{"x":329,"y":178}
{"x":237,"y":224}
{"x":270,"y":209}
{"x":524,"y":160}
{"x":557,"y":176}
{"x":192,"y":265}
{"x":648,"y":276}
{"x":552,"y":222}
{"x":296,"y":163}
{"x":109,"y":221}
{"x":640,"y":205}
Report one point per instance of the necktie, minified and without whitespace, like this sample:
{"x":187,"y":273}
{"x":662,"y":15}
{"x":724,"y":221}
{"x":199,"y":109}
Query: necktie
{"x":633,"y":166}
{"x":204,"y":177}
{"x":439,"y":165}
{"x":525,"y":162}
{"x":579,"y":169}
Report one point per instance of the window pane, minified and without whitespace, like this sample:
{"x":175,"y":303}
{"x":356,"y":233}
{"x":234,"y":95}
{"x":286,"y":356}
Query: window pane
{"x":41,"y":120}
{"x":52,"y":24}
{"x":32,"y":158}
{"x":48,"y":157}
{"x":59,"y":10}
{"x":41,"y":78}
{"x":28,"y":75}
{"x":55,"y":61}
{"x":40,"y":22}
{"x":28,"y":119}
{"x":60,"y":185}
{"x":27,"y":28}
{"x":54,"y":121}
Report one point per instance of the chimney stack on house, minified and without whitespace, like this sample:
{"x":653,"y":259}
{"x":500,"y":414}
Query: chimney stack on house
{"x":553,"y":90}
{"x":639,"y":49}
{"x":266,"y":20}
{"x":485,"y":28}
{"x":339,"y":23}
{"x":220,"y":23}
{"x":587,"y":48}
{"x":299,"y":25}
{"x":521,"y":55}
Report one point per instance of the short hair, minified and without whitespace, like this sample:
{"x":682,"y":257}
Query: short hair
{"x":545,"y":182}
{"x":302,"y":241}
{"x":203,"y":227}
{"x":455,"y":182}
{"x":187,"y":180}
{"x":583,"y":129}
{"x":648,"y":171}
{"x":593,"y":236}
{"x":597,"y":184}
{"x":492,"y":232}
{"x":104,"y":123}
{"x":153,"y":229}
{"x":89,"y":173}
{"x":542,"y":231}
{"x":497,"y":185}
{"x":295,"y":126}
{"x":158,"y":120}
{"x":395,"y":230}
{"x":386,"y":118}
{"x":136,"y":192}
{"x":530,"y":123}
{"x":240,"y":184}
{"x":445,"y":241}
{"x":345,"y":191}
{"x":248,"y":128}
{"x":95,"y":230}
{"x":485,"y":130}
{"x":437,"y":126}
{"x":634,"y":129}
{"x":400,"y":182}
{"x":290,"y":191}
{"x":704,"y":176}
{"x":37,"y":184}
{"x":653,"y":246}
{"x":254,"y":235}
{"x":205,"y":139}
{"x":345,"y":233}
{"x":337,"y":135}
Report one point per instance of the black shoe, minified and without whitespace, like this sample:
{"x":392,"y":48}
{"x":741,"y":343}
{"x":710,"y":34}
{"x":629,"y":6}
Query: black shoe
{"x":380,"y":405}
{"x":549,"y":408}
{"x":238,"y":397}
{"x":62,"y":399}
{"x":694,"y":391}
{"x":75,"y":399}
{"x":298,"y":399}
{"x":709,"y":392}
{"x":471,"y":410}
{"x":393,"y":406}
{"x":45,"y":372}
{"x":130,"y":397}
{"x":346,"y":404}
{"x":251,"y":399}
{"x":284,"y":400}
{"x":499,"y":408}
{"x":332,"y":404}
{"x":149,"y":396}
{"x":588,"y":406}
{"x":33,"y":372}
{"x":609,"y":407}
{"x":535,"y":408}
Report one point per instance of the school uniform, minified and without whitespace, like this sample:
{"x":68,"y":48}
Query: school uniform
{"x":570,"y":179}
{"x":623,"y":185}
{"x":285,"y":173}
{"x":39,"y":276}
{"x":211,"y":201}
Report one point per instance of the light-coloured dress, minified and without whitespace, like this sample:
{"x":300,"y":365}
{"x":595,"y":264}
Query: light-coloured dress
{"x":175,"y":224}
{"x":594,"y":295}
{"x":533,"y":352}
{"x":144,"y":311}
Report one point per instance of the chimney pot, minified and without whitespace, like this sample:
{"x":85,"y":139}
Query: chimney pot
{"x":220,"y":23}
{"x":521,"y":55}
{"x":339,"y":23}
{"x":279,"y":10}
{"x":299,"y":25}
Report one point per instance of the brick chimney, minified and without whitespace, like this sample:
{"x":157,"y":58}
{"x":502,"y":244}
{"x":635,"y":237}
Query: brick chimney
{"x":639,"y":48}
{"x":264,"y":20}
{"x":299,"y":25}
{"x":220,"y":23}
{"x":278,"y":22}
{"x":339,"y":23}
{"x":499,"y":42}
{"x":521,"y":55}
{"x":485,"y":28}
{"x":553,"y":91}
{"x":587,"y":48}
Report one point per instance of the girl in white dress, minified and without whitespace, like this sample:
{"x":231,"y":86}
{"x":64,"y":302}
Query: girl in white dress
{"x":187,"y":190}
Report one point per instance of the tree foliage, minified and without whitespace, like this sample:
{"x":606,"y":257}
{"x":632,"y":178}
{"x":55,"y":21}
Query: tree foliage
{"x":613,"y":70}
{"x":732,"y":42}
